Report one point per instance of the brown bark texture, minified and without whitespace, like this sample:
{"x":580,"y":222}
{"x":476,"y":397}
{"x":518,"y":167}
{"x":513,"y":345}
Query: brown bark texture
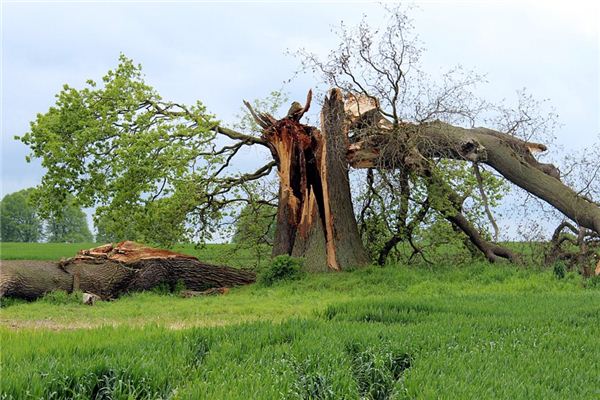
{"x":315,"y":218}
{"x":511,"y":157}
{"x":110,"y":271}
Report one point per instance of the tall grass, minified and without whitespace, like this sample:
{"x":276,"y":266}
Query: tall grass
{"x":392,"y":333}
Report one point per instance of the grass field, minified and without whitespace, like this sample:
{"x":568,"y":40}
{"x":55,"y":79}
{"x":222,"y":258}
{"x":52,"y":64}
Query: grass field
{"x":448,"y":332}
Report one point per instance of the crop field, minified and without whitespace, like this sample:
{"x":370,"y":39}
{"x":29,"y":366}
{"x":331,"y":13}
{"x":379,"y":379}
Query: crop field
{"x":476,"y":331}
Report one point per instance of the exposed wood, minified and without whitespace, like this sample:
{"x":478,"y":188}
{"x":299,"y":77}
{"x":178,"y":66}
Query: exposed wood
{"x":126,"y":252}
{"x":315,"y":219}
{"x":110,"y":271}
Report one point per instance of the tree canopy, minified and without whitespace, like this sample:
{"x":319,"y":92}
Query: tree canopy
{"x":22,"y":222}
{"x":153,"y":168}
{"x":19,"y":220}
{"x":69,"y":226}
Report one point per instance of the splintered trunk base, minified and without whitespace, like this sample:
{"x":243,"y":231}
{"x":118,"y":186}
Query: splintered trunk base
{"x":315,"y":218}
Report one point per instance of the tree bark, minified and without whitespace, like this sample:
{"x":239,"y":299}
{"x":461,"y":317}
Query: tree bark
{"x":508,"y":155}
{"x":31,"y":279}
{"x":110,"y":273}
{"x":315,"y":218}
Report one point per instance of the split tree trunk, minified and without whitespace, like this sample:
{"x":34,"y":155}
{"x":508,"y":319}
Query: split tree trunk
{"x":315,"y":218}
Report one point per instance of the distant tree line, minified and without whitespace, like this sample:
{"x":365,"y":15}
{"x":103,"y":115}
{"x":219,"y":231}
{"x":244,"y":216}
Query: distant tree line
{"x":20,"y":221}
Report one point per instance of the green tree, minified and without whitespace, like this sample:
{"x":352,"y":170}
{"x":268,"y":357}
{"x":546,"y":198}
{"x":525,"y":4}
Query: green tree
{"x":255,"y":225}
{"x":151,"y":167}
{"x":19,"y":220}
{"x":68,"y":226}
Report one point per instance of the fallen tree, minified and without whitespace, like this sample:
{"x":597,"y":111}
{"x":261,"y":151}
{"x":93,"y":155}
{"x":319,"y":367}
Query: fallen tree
{"x":315,"y":217}
{"x":156,"y":170}
{"x":111,"y":271}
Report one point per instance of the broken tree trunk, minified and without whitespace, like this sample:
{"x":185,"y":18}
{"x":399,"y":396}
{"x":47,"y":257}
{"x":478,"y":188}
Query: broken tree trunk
{"x":110,"y":271}
{"x":511,"y":157}
{"x":315,"y":218}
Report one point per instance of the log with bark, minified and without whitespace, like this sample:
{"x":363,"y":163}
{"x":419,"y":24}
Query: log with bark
{"x":512,"y":157}
{"x":109,"y":271}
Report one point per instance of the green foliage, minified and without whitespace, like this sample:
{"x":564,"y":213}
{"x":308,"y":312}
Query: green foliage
{"x":69,"y":225}
{"x":118,"y":145}
{"x":19,"y":220}
{"x":593,"y":282}
{"x":255,"y":225}
{"x":9,"y":301}
{"x":389,"y":211}
{"x":255,"y":231}
{"x":164,"y":289}
{"x":374,"y":232}
{"x":559,"y":269}
{"x":282,"y":268}
{"x":60,"y":297}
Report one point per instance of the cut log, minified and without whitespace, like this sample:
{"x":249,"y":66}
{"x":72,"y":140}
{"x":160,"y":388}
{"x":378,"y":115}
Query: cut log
{"x":110,"y":271}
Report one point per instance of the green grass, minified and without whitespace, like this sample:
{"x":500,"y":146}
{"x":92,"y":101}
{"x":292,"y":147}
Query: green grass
{"x":447,"y":332}
{"x":40,"y":251}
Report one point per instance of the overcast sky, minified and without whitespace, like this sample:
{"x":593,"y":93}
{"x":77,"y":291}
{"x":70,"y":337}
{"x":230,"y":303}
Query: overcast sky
{"x":223,"y":52}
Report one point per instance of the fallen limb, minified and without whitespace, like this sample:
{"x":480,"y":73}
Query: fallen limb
{"x":110,"y":271}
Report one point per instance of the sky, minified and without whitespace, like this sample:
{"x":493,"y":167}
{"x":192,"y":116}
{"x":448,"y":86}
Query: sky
{"x":224,"y":52}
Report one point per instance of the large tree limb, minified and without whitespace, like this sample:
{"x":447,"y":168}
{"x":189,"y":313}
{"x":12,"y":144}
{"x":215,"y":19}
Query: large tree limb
{"x":508,"y":155}
{"x":112,"y":270}
{"x":453,"y":213}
